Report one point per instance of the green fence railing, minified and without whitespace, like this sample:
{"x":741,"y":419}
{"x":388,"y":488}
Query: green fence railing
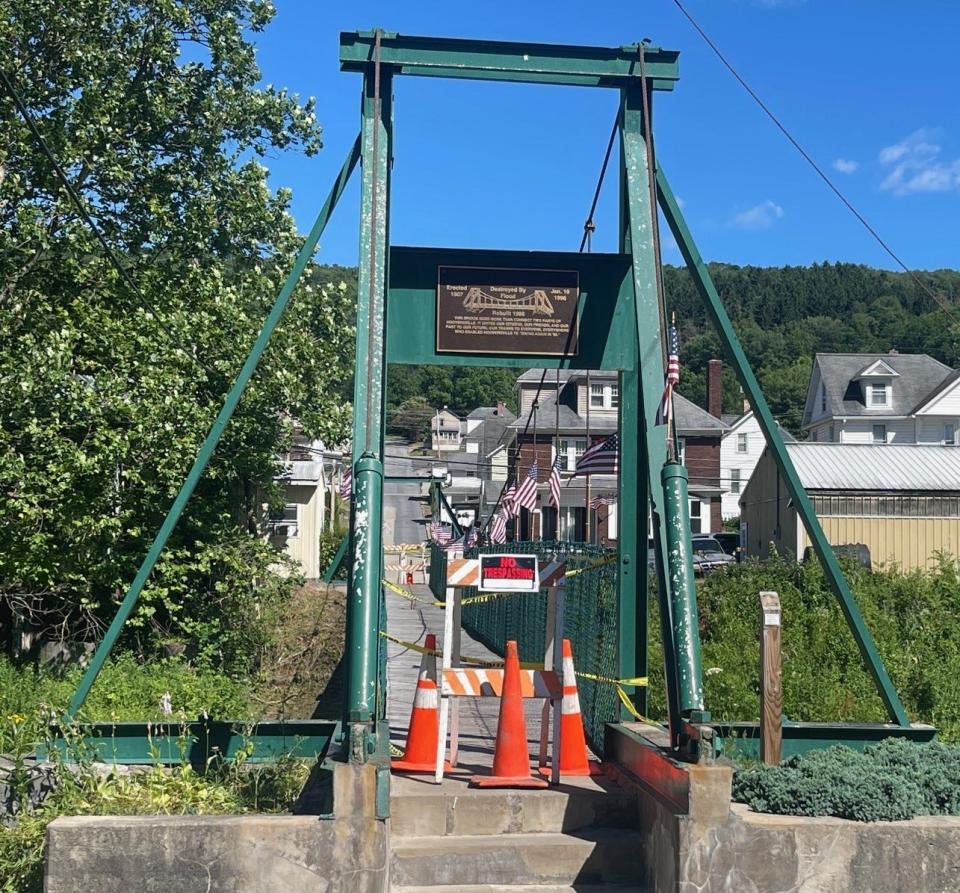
{"x":590,"y":622}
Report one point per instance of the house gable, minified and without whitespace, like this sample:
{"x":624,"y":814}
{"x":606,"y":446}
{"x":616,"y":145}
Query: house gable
{"x":945,"y":400}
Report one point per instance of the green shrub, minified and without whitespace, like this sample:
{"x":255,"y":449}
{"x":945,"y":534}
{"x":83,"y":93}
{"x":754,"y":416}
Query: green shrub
{"x":893,"y":780}
{"x":912,"y":618}
{"x":329,"y":543}
{"x":125,"y":690}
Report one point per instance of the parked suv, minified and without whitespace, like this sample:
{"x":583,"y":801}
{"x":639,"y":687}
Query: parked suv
{"x":708,"y":554}
{"x":730,"y":543}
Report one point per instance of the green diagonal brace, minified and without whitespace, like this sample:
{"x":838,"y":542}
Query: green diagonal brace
{"x":717,"y":313}
{"x":213,"y":436}
{"x":337,"y":561}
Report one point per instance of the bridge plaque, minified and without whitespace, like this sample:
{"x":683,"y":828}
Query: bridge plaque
{"x":507,"y":311}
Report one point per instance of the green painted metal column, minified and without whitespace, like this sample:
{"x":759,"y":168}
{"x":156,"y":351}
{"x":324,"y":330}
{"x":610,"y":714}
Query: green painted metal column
{"x":214,"y":435}
{"x":683,"y":592}
{"x":632,"y":523}
{"x":637,"y":239}
{"x":366,"y":568}
{"x":721,"y":321}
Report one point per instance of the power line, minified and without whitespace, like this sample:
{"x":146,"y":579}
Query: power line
{"x":816,"y":167}
{"x":81,"y":207}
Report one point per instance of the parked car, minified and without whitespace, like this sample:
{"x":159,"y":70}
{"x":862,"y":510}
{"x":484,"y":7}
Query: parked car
{"x":729,"y":542}
{"x":708,"y":555}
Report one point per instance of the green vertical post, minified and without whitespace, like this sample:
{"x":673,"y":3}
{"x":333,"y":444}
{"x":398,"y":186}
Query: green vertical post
{"x":366,"y":571}
{"x":213,"y":435}
{"x":365,"y":577}
{"x":637,"y":237}
{"x":683,"y":591}
{"x":721,"y":321}
{"x":632,"y":524}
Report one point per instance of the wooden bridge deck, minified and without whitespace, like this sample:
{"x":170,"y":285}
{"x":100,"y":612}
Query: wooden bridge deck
{"x":478,"y":716}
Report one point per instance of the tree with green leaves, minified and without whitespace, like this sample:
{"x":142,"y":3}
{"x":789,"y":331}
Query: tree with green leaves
{"x":154,"y":110}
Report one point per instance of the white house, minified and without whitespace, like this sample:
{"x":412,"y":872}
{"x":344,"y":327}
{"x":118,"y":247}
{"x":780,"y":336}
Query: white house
{"x":741,"y":447}
{"x":446,"y":432}
{"x":882,"y":399}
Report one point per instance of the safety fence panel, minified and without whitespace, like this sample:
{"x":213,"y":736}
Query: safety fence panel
{"x":438,"y":571}
{"x":590,"y":622}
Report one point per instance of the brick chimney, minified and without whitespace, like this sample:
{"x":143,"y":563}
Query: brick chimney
{"x":715,"y":388}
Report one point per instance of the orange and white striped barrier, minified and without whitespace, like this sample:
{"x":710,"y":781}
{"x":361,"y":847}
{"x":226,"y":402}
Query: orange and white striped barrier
{"x":470,"y":682}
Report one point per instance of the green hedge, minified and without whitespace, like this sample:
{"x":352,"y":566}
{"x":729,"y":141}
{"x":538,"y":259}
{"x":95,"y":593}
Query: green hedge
{"x":888,"y":781}
{"x":912,"y":618}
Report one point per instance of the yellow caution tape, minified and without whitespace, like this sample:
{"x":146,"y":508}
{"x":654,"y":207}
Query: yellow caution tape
{"x":636,"y":714}
{"x":470,"y":600}
{"x":403,"y":593}
{"x":473,"y":661}
{"x":593,"y":564}
{"x":395,"y":751}
{"x":634,"y":680}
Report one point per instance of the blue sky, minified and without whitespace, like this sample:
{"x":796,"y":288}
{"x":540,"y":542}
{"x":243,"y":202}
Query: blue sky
{"x":871,"y":89}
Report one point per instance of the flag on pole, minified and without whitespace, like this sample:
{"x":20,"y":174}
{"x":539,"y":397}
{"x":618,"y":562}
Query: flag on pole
{"x":498,"y":528}
{"x":508,"y":500}
{"x":527,"y":491}
{"x":672,"y":377}
{"x":601,"y":458}
{"x":600,"y":500}
{"x":555,"y":483}
{"x":454,"y":545}
{"x":346,"y":484}
{"x":440,"y":533}
{"x":471,"y":539}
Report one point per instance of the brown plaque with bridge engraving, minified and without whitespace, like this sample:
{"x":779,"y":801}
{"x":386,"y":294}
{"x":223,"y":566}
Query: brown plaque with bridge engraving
{"x":507,"y":311}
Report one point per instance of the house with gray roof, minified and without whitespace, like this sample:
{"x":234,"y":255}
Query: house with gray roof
{"x":888,"y":398}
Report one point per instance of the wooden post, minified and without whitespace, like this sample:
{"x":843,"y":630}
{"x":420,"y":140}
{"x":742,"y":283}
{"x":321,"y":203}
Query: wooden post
{"x":771,"y":691}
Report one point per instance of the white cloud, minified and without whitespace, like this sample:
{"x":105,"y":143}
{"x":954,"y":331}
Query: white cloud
{"x":761,"y":216}
{"x":845,"y":165}
{"x":915,"y":165}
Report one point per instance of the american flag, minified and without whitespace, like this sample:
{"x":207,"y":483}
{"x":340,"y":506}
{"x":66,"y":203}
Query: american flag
{"x":471,"y":539}
{"x":604,"y":499}
{"x":346,"y":484}
{"x":454,"y":545}
{"x":601,"y":458}
{"x":498,"y":528}
{"x":527,"y":491}
{"x":672,"y":378}
{"x":440,"y":533}
{"x":555,"y":483}
{"x":508,"y":500}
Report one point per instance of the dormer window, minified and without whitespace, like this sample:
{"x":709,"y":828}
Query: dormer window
{"x":878,"y":396}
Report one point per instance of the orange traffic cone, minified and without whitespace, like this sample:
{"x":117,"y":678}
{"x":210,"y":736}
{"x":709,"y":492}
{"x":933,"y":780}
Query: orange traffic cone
{"x":573,"y":743}
{"x":511,"y":762}
{"x":420,"y":754}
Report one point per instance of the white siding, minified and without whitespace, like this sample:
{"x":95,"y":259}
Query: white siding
{"x":745,"y":463}
{"x":861,"y":430}
{"x":947,"y":404}
{"x":930,"y":429}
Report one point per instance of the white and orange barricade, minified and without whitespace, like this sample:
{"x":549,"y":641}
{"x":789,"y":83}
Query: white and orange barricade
{"x":457,"y":681}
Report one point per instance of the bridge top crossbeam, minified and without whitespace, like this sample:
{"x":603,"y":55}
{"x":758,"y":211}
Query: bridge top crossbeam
{"x":490,"y":60}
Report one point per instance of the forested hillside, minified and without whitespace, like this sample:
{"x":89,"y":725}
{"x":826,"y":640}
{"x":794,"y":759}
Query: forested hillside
{"x":783,"y":315}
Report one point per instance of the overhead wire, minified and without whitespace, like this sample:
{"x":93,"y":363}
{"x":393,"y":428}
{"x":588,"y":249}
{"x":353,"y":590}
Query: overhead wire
{"x":85,"y":215}
{"x":816,"y":167}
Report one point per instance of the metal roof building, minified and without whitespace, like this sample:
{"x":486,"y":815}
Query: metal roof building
{"x":902,"y":502}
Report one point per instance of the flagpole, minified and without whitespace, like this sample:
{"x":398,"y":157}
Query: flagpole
{"x":587,"y":491}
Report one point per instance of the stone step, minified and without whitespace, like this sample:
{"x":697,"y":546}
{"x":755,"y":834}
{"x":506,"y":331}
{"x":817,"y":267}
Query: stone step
{"x":592,"y":856}
{"x":522,"y":888}
{"x":418,"y":809}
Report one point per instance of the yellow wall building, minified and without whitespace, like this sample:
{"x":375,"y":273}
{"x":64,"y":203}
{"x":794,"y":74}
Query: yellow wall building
{"x":902,"y":502}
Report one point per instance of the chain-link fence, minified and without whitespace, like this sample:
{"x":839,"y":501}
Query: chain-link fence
{"x":590,"y":622}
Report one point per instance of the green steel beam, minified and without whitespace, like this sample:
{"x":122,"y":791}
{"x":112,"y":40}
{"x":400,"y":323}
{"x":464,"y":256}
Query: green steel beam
{"x":341,"y":553}
{"x":637,"y":215}
{"x":457,"y":529}
{"x":366,"y":567}
{"x":213,"y":436}
{"x":721,"y":321}
{"x":194,"y":742}
{"x":532,"y":63}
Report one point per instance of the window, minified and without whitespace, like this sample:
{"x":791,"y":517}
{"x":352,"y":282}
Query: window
{"x":741,"y":443}
{"x":571,"y":448}
{"x":696,"y":507}
{"x":596,"y":396}
{"x":879,"y":433}
{"x":949,"y":433}
{"x":614,"y":396}
{"x":285,"y":521}
{"x":681,"y":449}
{"x":734,"y":480}
{"x":878,"y":395}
